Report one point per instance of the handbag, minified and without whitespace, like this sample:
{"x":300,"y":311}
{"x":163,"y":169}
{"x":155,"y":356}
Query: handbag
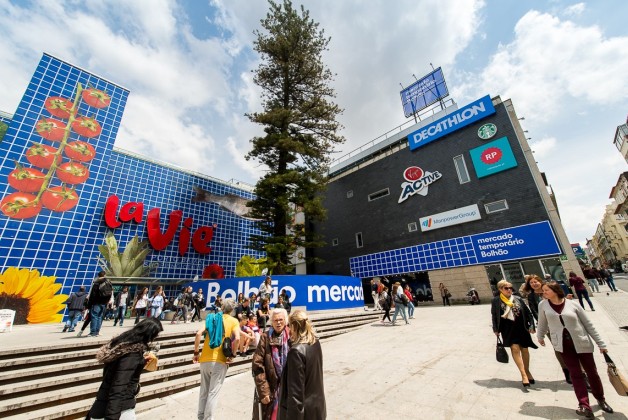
{"x":227,"y":347}
{"x":615,"y":377}
{"x":500,"y":352}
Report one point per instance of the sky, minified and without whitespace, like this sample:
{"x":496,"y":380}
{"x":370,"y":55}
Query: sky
{"x":188,"y":65}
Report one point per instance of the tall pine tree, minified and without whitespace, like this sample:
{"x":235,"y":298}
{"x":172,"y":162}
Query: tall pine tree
{"x":299,"y":119}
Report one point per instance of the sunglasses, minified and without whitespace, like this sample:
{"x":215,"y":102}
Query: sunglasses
{"x":508,"y":288}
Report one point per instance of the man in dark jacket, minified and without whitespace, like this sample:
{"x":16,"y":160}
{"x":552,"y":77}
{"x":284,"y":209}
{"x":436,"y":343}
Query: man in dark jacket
{"x":76,"y":304}
{"x":97,"y":304}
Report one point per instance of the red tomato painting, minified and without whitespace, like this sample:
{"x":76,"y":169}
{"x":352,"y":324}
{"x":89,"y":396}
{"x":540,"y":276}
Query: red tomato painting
{"x":26,"y":179}
{"x":86,"y":126}
{"x":59,"y":199}
{"x":50,"y":129}
{"x":20,"y":205}
{"x":96,"y":98}
{"x":42,"y":156}
{"x":72,"y":173}
{"x":58,"y":106}
{"x":79,"y":150}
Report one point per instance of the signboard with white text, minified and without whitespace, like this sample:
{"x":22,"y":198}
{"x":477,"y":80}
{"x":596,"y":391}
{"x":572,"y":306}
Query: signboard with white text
{"x":450,"y":218}
{"x":466,"y":115}
{"x":424,"y":92}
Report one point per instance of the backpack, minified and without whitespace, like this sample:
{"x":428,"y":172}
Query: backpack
{"x":105,"y":289}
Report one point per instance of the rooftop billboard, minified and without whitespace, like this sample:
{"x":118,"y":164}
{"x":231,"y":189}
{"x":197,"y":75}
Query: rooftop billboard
{"x":424,"y":92}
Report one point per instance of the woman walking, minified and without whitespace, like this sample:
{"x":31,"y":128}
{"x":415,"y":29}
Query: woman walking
{"x":268,"y":364}
{"x":386,"y":302}
{"x":266,"y":289}
{"x":157,"y":302}
{"x":444,"y":294}
{"x":302,"y":393}
{"x":124,"y":360}
{"x":581,"y":290}
{"x":513,"y":320}
{"x":122,"y":300}
{"x":141,"y":301}
{"x":400,"y":305}
{"x":571,"y":331}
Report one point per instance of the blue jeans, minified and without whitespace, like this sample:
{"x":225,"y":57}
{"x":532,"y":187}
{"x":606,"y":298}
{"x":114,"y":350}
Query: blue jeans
{"x":74,"y":316}
{"x":400,"y":308}
{"x":611,"y":283}
{"x":96,"y":312}
{"x":410,"y":309}
{"x":120,"y":313}
{"x":584,"y":294}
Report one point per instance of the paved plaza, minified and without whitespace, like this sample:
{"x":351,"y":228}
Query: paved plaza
{"x":442,"y":366}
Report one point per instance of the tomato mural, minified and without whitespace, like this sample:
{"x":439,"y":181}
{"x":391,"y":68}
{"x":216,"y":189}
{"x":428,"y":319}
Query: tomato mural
{"x":34,"y":186}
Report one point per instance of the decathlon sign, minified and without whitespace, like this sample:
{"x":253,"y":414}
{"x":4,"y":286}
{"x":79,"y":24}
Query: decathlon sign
{"x":313,"y":292}
{"x":417,"y":182}
{"x":469,"y":114}
{"x":450,"y":218}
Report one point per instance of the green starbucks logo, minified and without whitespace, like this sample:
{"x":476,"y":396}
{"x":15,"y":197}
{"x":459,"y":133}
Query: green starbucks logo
{"x":487,"y":131}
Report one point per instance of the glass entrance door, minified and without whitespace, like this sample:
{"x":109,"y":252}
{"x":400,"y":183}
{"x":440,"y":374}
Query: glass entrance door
{"x":514,"y":274}
{"x":494,"y":274}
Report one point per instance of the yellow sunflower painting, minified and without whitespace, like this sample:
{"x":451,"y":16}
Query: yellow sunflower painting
{"x":31,"y":296}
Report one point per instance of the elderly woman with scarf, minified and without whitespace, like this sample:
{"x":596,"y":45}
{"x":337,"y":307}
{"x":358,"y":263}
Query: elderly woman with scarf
{"x":514,"y":321}
{"x":124,"y":361}
{"x":269,"y":361}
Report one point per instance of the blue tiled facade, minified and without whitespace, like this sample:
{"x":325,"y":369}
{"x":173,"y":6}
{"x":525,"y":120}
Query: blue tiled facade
{"x":65,"y":244}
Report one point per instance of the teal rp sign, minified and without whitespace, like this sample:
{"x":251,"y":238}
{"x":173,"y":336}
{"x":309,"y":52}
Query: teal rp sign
{"x":493,"y":157}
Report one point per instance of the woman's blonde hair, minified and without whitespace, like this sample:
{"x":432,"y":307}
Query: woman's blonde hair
{"x":503,"y":283}
{"x":301,"y":330}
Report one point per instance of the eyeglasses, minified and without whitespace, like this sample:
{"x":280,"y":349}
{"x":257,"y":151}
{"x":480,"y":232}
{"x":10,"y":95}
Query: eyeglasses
{"x":508,"y":288}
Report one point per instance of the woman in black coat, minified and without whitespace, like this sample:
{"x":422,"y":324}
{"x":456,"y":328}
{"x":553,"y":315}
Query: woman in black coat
{"x":302,"y":395}
{"x":124,"y":360}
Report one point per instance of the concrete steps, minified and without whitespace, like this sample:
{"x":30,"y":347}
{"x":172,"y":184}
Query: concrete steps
{"x":60,"y":381}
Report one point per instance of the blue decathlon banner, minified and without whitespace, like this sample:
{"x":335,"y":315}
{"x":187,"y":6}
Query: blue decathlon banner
{"x":314,"y":292}
{"x":526,"y":241}
{"x":466,"y":115}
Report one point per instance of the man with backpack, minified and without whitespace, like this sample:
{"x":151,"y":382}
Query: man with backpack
{"x":99,"y":296}
{"x":220,"y":329}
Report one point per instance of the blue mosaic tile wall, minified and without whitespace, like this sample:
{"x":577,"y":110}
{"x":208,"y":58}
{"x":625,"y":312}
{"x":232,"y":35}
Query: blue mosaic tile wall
{"x":65,"y":244}
{"x":53,"y":242}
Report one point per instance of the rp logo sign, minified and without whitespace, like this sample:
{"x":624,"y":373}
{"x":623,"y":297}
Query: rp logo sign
{"x":491,"y":155}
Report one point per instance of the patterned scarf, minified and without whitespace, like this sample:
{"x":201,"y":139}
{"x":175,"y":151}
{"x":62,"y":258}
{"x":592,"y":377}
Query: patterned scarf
{"x":279,"y":355}
{"x":511,"y":307}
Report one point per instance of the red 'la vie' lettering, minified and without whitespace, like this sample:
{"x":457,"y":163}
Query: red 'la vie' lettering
{"x":160,"y":240}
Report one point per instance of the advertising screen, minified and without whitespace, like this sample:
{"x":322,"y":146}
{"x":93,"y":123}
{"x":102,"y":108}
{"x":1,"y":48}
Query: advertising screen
{"x":424,"y":92}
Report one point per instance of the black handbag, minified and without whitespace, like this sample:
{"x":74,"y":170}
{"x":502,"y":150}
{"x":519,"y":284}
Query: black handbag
{"x":500,"y":352}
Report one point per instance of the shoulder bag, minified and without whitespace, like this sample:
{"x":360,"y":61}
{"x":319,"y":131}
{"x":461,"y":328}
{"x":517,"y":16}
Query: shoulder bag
{"x":616,"y":378}
{"x":500,"y":352}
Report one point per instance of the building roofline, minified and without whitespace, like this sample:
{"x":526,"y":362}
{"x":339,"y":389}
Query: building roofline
{"x":86,"y":71}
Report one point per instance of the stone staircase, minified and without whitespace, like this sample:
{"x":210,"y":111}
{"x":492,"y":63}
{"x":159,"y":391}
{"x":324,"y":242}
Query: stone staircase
{"x":60,"y":381}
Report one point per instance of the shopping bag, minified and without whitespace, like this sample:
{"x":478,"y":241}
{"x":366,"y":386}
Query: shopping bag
{"x":615,"y":377}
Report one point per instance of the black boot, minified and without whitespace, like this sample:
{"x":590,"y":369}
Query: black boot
{"x":567,"y":375}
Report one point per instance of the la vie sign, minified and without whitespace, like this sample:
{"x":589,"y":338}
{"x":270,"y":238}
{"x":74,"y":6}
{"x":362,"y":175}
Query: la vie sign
{"x":159,"y":240}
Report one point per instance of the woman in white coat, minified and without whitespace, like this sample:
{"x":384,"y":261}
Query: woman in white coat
{"x":571,"y":331}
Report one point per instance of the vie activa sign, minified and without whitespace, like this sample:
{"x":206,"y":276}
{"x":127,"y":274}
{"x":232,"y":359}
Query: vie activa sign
{"x":134,"y":211}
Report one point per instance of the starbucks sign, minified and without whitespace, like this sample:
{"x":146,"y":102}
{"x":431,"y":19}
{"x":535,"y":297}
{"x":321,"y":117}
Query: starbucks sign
{"x":487,"y":131}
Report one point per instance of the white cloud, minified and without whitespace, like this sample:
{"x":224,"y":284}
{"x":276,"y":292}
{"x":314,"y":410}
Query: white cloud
{"x":575,"y":9}
{"x":543,"y":147}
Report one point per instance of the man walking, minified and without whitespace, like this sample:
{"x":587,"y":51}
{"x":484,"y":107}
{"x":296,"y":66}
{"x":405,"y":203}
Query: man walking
{"x":99,"y":296}
{"x":76,"y":305}
{"x":213,"y":361}
{"x":590,"y":275}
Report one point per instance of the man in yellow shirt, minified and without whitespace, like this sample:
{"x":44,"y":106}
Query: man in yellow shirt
{"x":214,"y":363}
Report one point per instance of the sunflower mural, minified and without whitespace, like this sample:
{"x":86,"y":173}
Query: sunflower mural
{"x":31,"y":296}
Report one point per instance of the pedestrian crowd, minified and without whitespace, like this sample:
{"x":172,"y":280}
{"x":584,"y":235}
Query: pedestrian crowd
{"x":546,"y":308}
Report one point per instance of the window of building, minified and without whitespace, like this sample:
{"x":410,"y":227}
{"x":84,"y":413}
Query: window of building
{"x":334,"y":242}
{"x":461,"y":169}
{"x":349,"y":193}
{"x":496,"y":206}
{"x":358,"y":240}
{"x":412,"y":227}
{"x":379,"y":194}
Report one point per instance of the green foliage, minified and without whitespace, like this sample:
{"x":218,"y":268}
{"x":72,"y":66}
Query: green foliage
{"x":3,"y":130}
{"x":300,"y":126}
{"x":129,"y":263}
{"x":249,"y":266}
